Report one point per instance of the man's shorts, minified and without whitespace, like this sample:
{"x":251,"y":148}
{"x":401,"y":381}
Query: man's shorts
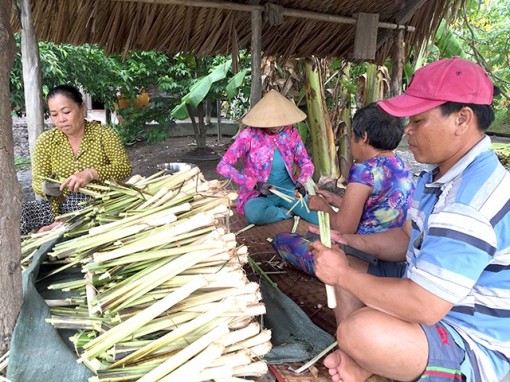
{"x":445,"y":355}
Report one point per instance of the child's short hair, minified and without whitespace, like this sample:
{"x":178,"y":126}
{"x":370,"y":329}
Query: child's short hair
{"x":384,"y":131}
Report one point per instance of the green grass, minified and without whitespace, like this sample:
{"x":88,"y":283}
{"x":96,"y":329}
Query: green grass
{"x":22,"y":163}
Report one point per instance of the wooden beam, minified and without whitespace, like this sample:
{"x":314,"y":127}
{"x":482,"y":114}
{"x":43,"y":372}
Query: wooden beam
{"x":202,"y":4}
{"x":289,"y":12}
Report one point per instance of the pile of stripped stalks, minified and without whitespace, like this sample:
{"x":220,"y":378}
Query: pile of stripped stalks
{"x":163,"y":296}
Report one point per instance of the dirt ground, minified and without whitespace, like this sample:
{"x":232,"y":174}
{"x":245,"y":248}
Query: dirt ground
{"x":145,"y":157}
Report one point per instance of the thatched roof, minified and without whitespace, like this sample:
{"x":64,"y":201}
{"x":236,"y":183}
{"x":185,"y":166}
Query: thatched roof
{"x":292,"y":28}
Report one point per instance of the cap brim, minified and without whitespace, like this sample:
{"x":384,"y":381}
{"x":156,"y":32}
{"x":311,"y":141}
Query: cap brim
{"x":405,"y":105}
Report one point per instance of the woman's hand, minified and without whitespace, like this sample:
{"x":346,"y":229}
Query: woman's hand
{"x":334,"y":235}
{"x":263,"y":188}
{"x":318,"y":203}
{"x":49,"y":227}
{"x":299,"y":191}
{"x":78,"y":180}
{"x":333,"y":199}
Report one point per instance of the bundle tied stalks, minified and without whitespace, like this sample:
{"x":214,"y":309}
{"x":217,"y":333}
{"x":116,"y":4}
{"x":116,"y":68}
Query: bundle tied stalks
{"x":164,"y":296}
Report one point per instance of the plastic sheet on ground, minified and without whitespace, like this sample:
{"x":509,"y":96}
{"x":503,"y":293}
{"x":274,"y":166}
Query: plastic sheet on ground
{"x":38,"y":352}
{"x":295,"y":337}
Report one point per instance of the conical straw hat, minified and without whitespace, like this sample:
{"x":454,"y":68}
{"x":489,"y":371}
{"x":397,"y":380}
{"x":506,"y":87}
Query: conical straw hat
{"x":273,"y":110}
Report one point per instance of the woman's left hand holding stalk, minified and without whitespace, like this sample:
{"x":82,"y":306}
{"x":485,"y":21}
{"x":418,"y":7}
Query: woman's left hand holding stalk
{"x":79,"y":179}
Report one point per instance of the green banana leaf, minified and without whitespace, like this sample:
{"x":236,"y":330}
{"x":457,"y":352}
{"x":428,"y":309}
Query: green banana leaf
{"x":447,"y":42}
{"x":235,"y":83}
{"x":200,"y":89}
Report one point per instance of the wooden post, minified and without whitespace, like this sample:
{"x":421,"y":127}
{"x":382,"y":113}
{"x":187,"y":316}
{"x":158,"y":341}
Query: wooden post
{"x":397,"y":63}
{"x":256,"y":53}
{"x":31,"y":75}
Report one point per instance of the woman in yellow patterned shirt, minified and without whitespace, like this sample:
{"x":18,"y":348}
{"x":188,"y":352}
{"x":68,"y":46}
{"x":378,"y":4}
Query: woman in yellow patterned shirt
{"x":77,"y":151}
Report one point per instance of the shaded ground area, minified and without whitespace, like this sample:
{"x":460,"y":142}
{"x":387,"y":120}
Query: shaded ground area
{"x":146,"y":157}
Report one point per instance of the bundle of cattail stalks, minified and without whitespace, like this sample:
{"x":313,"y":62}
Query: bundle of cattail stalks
{"x":164,"y":296}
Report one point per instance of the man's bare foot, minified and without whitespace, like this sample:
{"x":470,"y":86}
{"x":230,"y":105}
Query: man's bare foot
{"x":332,"y":362}
{"x":344,"y":369}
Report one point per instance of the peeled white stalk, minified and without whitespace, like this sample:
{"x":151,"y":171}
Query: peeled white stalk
{"x":123,"y":330}
{"x":326,"y":240}
{"x":142,"y":218}
{"x":255,"y":369}
{"x":261,"y":349}
{"x":191,"y":370}
{"x":263,"y":337}
{"x":239,"y":358}
{"x":160,"y":275}
{"x":182,"y":330}
{"x":324,"y":229}
{"x":186,"y":354}
{"x":240,"y":335}
{"x":217,"y":372}
{"x":163,"y":237}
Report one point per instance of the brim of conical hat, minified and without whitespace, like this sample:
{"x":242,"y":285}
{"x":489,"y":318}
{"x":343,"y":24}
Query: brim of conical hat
{"x":273,"y":110}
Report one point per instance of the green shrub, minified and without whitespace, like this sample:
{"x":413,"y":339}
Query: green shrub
{"x":146,"y":124}
{"x":501,"y":123}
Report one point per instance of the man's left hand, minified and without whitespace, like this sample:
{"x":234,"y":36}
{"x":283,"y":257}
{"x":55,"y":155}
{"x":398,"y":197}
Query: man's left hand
{"x":329,"y":263}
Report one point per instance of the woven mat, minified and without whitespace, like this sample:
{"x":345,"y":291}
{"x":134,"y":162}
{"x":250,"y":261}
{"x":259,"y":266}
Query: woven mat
{"x":317,"y":373}
{"x":306,"y":291}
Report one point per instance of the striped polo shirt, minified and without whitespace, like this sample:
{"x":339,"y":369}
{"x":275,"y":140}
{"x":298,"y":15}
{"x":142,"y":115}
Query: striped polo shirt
{"x":460,"y":251}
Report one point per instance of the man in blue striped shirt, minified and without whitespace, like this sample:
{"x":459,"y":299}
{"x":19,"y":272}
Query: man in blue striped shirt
{"x":437,"y":306}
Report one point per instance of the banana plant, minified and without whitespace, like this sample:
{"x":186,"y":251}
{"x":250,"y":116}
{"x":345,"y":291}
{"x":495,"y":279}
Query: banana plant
{"x":324,"y":154}
{"x":200,"y":90}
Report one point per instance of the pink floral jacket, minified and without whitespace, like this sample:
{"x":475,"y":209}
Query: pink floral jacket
{"x":256,"y":150}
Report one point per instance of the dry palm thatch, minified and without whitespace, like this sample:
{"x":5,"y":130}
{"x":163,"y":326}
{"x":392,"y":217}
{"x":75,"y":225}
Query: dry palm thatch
{"x":297,"y":28}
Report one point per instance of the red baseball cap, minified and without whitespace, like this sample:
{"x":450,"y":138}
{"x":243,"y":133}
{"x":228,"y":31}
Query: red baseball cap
{"x":451,"y":79}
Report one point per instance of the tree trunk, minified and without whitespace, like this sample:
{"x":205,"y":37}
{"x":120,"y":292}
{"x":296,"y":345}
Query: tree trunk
{"x":31,"y":75}
{"x":201,"y":137}
{"x":199,"y":128}
{"x":323,"y":140}
{"x":11,"y":295}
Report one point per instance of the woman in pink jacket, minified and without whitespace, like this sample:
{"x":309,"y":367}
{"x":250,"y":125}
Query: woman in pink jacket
{"x":273,"y":156}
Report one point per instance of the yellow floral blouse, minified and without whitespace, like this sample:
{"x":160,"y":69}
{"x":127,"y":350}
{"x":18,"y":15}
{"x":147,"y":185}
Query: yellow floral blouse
{"x":100,"y":148}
